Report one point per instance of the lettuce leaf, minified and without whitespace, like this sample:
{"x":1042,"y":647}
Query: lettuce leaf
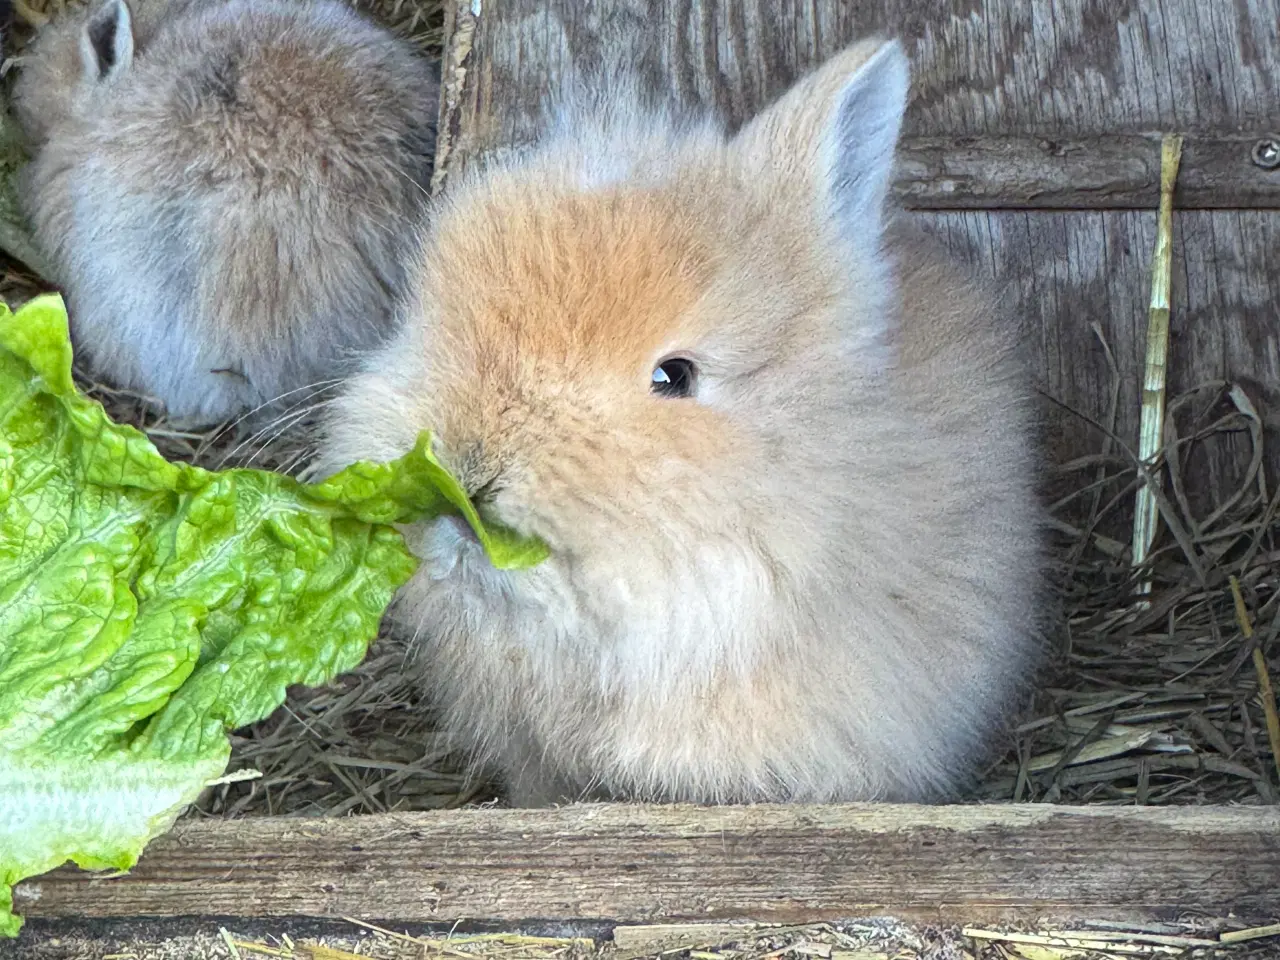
{"x":149,"y":607}
{"x":418,"y":485}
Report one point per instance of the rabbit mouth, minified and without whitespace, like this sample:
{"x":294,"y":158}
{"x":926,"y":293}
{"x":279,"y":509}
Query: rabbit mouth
{"x":461,"y":527}
{"x":447,"y":543}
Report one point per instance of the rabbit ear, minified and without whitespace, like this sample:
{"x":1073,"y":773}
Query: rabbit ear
{"x":106,"y":45}
{"x":837,"y":130}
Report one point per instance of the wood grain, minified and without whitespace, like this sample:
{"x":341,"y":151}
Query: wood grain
{"x":1045,"y":68}
{"x":642,"y":864}
{"x":1108,"y":172}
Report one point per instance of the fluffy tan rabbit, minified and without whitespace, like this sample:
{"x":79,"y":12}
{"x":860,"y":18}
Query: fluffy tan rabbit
{"x":226,"y":189}
{"x":781,"y":455}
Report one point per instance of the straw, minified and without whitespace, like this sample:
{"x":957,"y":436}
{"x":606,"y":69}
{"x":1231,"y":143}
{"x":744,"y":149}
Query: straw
{"x":1153,"y":383}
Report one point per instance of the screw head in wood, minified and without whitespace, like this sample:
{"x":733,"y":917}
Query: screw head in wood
{"x":1266,"y":153}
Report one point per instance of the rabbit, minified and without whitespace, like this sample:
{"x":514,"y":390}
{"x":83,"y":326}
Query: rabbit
{"x":782,"y":453}
{"x":225,"y":189}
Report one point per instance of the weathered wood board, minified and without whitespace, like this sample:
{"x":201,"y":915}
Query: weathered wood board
{"x":1102,"y":172}
{"x":1048,"y":68}
{"x":1031,"y":146}
{"x":632,"y":863}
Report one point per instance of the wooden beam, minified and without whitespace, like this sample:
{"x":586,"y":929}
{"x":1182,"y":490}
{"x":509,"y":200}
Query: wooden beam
{"x":1105,"y":172}
{"x":631,"y":863}
{"x":1111,"y":172}
{"x":988,"y":127}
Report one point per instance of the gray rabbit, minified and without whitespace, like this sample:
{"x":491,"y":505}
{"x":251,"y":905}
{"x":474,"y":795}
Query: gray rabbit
{"x":227,"y":189}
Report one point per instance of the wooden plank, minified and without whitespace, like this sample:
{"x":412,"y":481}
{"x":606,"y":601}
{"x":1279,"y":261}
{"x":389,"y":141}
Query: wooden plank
{"x":1109,"y":172}
{"x":1047,"y":68}
{"x":633,"y":863}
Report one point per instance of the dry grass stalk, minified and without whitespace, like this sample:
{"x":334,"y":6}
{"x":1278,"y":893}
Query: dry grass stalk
{"x":1265,"y":693}
{"x":1151,"y":429}
{"x":1150,"y":704}
{"x":1252,"y":933}
{"x":231,"y":944}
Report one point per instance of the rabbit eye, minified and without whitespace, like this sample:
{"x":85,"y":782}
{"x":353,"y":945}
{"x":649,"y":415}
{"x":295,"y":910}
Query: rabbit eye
{"x":674,"y":378}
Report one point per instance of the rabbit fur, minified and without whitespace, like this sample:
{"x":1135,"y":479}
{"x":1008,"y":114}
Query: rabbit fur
{"x":813,"y":578}
{"x":226,"y":189}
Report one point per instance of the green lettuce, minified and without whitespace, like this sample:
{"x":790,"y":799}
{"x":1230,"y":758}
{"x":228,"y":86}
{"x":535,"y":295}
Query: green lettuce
{"x":149,"y":607}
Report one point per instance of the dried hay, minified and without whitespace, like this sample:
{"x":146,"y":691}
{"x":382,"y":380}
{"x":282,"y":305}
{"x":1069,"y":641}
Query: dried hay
{"x":1158,"y":701}
{"x":870,"y":939}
